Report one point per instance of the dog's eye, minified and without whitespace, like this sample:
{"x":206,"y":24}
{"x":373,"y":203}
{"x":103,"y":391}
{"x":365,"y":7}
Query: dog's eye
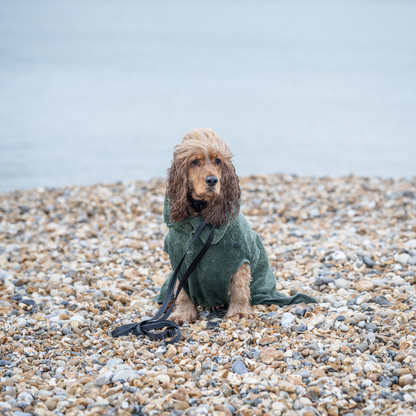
{"x":217,"y":161}
{"x":195,"y":162}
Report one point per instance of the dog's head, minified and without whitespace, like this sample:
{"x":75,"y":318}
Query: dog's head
{"x":202,"y":168}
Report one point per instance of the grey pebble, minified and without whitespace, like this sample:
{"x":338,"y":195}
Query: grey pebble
{"x":287,"y":319}
{"x":368,"y":262}
{"x":67,"y":331}
{"x":104,"y":379}
{"x":97,"y":295}
{"x":301,"y":328}
{"x":239,"y":367}
{"x":126,"y":375}
{"x":382,"y":300}
{"x":371,"y":327}
{"x":323,"y":280}
{"x":114,"y":361}
{"x":362,"y":346}
{"x":255,"y":353}
{"x":230,"y":407}
{"x":385,"y":383}
{"x":161,"y":350}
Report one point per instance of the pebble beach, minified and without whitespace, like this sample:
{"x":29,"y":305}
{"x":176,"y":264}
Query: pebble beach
{"x":77,"y":262}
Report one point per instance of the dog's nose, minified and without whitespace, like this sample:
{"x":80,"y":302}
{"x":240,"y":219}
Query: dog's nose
{"x":211,"y":180}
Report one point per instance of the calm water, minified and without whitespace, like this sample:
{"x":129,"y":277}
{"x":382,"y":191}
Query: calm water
{"x":102,"y":91}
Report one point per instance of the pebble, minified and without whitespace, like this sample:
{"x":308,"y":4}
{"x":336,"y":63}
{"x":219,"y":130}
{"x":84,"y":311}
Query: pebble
{"x":364,"y":286}
{"x":382,"y":300}
{"x":104,"y":379}
{"x":287,"y":319}
{"x":301,"y":328}
{"x":21,"y":323}
{"x":362,"y":346}
{"x":367,"y":260}
{"x":238,"y":367}
{"x":114,"y":361}
{"x":76,"y":262}
{"x":67,"y":331}
{"x":97,"y":295}
{"x":124,"y":375}
{"x":226,"y":390}
{"x":323,"y":280}
{"x":339,"y":257}
{"x":342,"y":283}
{"x":286,"y":386}
{"x":403,"y":258}
{"x":405,"y":380}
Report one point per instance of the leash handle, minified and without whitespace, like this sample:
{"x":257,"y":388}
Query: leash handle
{"x":160,"y":320}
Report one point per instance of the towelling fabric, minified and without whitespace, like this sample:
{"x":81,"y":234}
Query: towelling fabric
{"x":232,"y":246}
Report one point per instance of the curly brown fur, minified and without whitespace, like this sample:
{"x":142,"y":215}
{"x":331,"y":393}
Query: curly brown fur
{"x":177,"y":191}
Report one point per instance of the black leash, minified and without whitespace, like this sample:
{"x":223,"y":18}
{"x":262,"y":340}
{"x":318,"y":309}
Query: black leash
{"x":160,"y":320}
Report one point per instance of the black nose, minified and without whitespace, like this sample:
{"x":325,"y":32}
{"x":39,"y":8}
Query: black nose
{"x":211,"y":180}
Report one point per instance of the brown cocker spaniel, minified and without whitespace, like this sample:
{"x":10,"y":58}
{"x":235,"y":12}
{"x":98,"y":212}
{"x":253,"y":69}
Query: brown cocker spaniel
{"x":202,"y":170}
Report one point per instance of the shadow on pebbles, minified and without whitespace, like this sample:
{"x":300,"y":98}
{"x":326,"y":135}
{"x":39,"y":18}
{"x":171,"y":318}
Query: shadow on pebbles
{"x":77,"y":262}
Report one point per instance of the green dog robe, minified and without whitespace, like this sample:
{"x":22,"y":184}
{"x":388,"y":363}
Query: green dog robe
{"x":232,"y":246}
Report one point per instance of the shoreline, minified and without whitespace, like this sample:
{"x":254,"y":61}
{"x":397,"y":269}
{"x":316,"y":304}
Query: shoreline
{"x":89,"y":258}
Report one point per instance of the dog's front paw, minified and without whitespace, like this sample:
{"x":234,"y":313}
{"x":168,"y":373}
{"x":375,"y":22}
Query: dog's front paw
{"x":236,"y":315}
{"x":181,"y":318}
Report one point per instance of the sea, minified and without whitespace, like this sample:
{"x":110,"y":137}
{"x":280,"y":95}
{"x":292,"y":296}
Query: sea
{"x":98,"y":91}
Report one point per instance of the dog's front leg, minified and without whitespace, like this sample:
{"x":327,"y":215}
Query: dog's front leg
{"x":239,"y":293}
{"x":184,"y":310}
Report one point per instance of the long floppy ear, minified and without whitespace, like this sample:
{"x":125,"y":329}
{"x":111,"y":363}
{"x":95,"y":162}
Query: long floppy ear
{"x":177,"y":191}
{"x":226,"y":206}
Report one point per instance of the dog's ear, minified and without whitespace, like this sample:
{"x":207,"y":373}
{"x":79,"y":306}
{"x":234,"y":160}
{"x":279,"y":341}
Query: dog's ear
{"x":227,"y":205}
{"x":177,"y":191}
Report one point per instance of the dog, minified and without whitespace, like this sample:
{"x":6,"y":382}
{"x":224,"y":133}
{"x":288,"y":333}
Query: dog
{"x":202,"y":185}
{"x":202,"y":168}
